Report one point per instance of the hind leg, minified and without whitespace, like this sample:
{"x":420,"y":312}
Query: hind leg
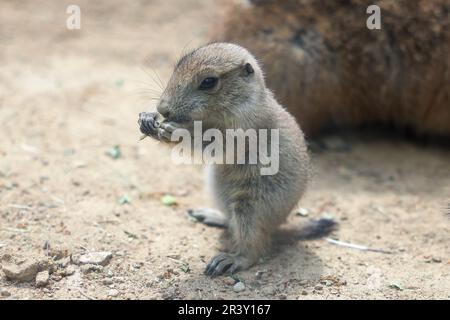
{"x":249,"y":241}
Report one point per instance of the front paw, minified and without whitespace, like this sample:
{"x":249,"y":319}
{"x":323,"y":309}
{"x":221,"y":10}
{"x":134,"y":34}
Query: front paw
{"x":225,"y":263}
{"x":148,"y":123}
{"x":165,"y":131}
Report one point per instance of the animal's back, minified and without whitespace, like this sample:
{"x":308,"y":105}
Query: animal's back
{"x":329,"y":69}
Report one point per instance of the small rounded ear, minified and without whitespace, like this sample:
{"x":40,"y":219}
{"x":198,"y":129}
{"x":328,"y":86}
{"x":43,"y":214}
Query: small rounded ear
{"x":248,"y":68}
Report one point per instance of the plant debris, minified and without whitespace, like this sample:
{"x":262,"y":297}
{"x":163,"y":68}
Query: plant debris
{"x":130,"y":235}
{"x":356,"y":246}
{"x":185,"y":267}
{"x":125,"y":199}
{"x":396,"y":285}
{"x":302,"y":212}
{"x":168,"y":200}
{"x":114,"y":152}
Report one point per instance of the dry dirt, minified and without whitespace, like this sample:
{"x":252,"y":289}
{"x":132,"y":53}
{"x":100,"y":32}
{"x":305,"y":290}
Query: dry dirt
{"x":68,"y":97}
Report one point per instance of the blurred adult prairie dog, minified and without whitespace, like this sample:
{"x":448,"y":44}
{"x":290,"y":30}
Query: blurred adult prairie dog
{"x":329,"y":70}
{"x":222,"y":85}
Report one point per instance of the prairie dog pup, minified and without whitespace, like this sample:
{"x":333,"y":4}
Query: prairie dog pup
{"x":222,"y":85}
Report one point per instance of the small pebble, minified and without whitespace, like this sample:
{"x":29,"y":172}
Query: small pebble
{"x":303,"y":283}
{"x":113,"y":293}
{"x":318,"y":288}
{"x":64,"y":262}
{"x":108,"y":281}
{"x":42,"y":278}
{"x":87,"y":268}
{"x":327,"y":283}
{"x":239,"y":287}
{"x":56,"y":277}
{"x":70,"y":270}
{"x":229,"y":281}
{"x":4,"y":293}
{"x":99,"y":258}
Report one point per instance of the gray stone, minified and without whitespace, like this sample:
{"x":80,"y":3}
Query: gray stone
{"x":4,"y":293}
{"x":239,"y":287}
{"x":87,"y":268}
{"x":23,"y":272}
{"x":42,"y":278}
{"x":113,"y":293}
{"x":70,"y":270}
{"x":99,"y":258}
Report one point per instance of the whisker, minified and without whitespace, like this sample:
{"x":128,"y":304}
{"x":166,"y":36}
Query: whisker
{"x":147,"y":96}
{"x":151,"y":77}
{"x":160,"y":81}
{"x":147,"y":89}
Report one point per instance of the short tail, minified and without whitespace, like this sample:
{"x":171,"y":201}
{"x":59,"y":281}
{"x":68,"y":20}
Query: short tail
{"x":316,"y":228}
{"x":312,"y":229}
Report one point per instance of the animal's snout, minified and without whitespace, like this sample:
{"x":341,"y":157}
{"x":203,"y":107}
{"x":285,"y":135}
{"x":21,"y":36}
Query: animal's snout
{"x":163,"y":109}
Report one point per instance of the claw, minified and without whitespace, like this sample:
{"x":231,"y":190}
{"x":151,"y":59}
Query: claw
{"x":221,"y":264}
{"x":222,"y":267}
{"x":214,"y":262}
{"x":233,"y":268}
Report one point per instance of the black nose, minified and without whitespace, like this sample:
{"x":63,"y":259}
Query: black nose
{"x":165,"y":114}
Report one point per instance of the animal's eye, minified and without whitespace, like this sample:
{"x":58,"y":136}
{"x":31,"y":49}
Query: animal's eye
{"x":208,"y":83}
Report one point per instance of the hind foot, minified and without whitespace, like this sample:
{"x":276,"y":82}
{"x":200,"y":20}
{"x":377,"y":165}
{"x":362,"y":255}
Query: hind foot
{"x":225,"y":263}
{"x":209,"y":217}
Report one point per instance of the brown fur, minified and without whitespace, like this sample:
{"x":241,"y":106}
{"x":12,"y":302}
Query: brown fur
{"x":329,"y":70}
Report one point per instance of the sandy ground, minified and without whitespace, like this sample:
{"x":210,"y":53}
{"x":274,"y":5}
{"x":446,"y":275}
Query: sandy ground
{"x":68,"y":97}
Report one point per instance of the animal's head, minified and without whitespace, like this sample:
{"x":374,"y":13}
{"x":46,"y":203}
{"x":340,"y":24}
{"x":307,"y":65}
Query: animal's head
{"x":210,"y":82}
